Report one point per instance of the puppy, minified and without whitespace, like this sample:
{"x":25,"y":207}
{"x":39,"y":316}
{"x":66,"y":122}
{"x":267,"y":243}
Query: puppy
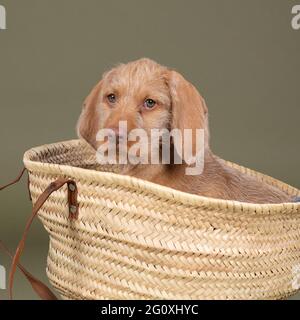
{"x":149,"y":96}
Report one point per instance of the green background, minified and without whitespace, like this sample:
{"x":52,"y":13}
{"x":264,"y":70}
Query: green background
{"x":242,"y":55}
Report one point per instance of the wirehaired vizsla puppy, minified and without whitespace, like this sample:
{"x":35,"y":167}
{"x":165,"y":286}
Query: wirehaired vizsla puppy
{"x":149,"y":96}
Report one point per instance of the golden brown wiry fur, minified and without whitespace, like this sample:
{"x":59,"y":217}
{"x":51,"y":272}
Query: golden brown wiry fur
{"x":179,"y":105}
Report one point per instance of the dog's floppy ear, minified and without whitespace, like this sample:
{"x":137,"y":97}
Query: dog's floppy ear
{"x":189,"y":110}
{"x":88,"y":123}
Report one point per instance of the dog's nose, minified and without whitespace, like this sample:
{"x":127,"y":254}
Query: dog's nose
{"x":115,"y":132}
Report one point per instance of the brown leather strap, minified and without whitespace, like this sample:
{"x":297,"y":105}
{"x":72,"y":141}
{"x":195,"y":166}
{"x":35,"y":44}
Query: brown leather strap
{"x":73,"y":210}
{"x":41,"y":289}
{"x":17,"y":180}
{"x":14,"y":181}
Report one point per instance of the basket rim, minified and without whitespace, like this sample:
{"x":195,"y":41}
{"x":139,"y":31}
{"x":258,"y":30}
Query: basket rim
{"x":159,"y":190}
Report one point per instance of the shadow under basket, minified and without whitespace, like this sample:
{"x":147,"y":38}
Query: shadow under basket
{"x":134,"y":239}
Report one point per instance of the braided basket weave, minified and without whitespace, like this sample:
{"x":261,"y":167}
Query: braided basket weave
{"x":137,"y":240}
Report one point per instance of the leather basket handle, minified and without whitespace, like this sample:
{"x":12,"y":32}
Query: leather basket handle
{"x":41,"y":289}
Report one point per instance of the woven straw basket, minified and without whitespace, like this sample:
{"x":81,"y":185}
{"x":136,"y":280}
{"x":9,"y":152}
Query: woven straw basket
{"x":137,"y":240}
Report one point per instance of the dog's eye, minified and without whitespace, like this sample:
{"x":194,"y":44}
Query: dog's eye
{"x":111,"y":98}
{"x":149,"y":103}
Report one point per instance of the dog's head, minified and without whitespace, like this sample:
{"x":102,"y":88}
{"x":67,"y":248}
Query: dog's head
{"x":147,"y":96}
